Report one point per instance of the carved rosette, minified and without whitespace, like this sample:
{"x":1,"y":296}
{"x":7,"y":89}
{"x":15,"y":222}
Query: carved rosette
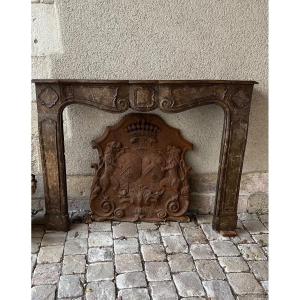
{"x":141,"y":174}
{"x":48,"y":96}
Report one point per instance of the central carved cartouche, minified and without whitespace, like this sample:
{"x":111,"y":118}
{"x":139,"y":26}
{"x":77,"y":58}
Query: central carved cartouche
{"x":141,"y":174}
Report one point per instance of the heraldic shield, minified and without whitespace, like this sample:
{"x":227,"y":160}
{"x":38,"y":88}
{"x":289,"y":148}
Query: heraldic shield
{"x":142,"y":173}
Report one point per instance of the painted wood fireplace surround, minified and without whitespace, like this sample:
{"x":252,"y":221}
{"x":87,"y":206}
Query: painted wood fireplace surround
{"x":143,"y":96}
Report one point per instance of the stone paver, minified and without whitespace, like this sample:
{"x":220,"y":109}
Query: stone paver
{"x":131,"y":280}
{"x":163,"y":290}
{"x":243,"y":237}
{"x":259,"y":269}
{"x":181,"y":262}
{"x":43,"y":292}
{"x":54,"y":239}
{"x":100,"y":254}
{"x":128,"y":263}
{"x":175,"y":244}
{"x":252,"y":252}
{"x":194,"y":235}
{"x":78,"y":231}
{"x":69,"y":286}
{"x":50,"y":254}
{"x":218,"y":290}
{"x":224,"y":248}
{"x":114,"y":260}
{"x":171,"y":228}
{"x":247,"y":217}
{"x":199,"y":251}
{"x":188,"y":284}
{"x":102,"y":290}
{"x":255,"y":227}
{"x":125,"y":246}
{"x":261,"y":239}
{"x":46,"y":274}
{"x":209,"y":269}
{"x":124,"y":229}
{"x":153,"y":252}
{"x":157,"y":271}
{"x":100,"y":271}
{"x":73,"y":264}
{"x":75,"y":246}
{"x":100,"y":239}
{"x":233,"y":264}
{"x":244,"y":283}
{"x":149,"y":237}
{"x":100,"y":226}
{"x":134,"y":294}
{"x":147,"y":226}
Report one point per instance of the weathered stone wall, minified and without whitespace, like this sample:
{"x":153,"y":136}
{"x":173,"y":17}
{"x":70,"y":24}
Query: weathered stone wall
{"x":171,"y":39}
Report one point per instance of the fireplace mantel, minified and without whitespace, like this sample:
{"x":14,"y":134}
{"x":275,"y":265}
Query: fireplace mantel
{"x":118,"y":96}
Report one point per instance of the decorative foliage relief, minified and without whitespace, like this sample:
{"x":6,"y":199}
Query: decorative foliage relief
{"x":141,"y":174}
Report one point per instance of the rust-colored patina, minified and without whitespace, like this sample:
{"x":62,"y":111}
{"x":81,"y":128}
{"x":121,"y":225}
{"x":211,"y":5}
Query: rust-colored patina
{"x":141,"y":174}
{"x":144,"y":96}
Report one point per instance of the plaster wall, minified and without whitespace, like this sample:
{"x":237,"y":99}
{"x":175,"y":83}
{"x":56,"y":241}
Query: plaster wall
{"x":154,"y":39}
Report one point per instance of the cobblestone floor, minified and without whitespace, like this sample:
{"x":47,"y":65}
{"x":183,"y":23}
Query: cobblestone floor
{"x":148,"y":261}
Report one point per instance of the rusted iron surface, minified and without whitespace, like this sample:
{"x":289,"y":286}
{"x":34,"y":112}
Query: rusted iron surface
{"x":142,"y":173}
{"x":144,"y":96}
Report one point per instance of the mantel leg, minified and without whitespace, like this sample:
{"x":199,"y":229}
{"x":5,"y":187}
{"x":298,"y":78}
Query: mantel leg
{"x":52,"y":155}
{"x":230,"y":168}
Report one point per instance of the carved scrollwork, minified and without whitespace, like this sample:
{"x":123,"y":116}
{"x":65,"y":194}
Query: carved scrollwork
{"x":141,"y":171}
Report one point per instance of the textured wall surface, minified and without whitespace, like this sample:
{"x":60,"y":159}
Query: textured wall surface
{"x":154,"y":39}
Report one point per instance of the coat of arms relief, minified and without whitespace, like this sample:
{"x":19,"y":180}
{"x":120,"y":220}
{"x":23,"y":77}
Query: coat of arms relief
{"x":141,"y":173}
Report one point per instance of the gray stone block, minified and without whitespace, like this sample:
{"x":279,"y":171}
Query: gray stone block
{"x":100,"y":239}
{"x":209,"y":270}
{"x":149,"y":237}
{"x":244,"y":283}
{"x":154,"y":252}
{"x":134,"y":294}
{"x":73,"y":264}
{"x":102,"y":290}
{"x":157,"y":271}
{"x":175,"y":244}
{"x":129,"y":245}
{"x":46,"y":274}
{"x":69,"y":286}
{"x":100,"y":254}
{"x":43,"y":292}
{"x":163,"y":290}
{"x":218,"y":290}
{"x":233,"y":264}
{"x":252,"y":252}
{"x":131,"y":280}
{"x":194,"y":235}
{"x":100,"y":271}
{"x":181,"y":263}
{"x":128,"y":263}
{"x":75,"y":246}
{"x":224,"y":248}
{"x":188,"y":284}
{"x":202,"y":251}
{"x":50,"y":254}
{"x":124,"y":229}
